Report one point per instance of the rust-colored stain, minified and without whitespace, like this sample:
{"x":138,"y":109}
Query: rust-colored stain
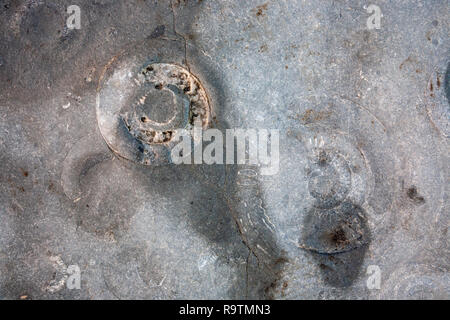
{"x":24,"y":172}
{"x":311,"y":116}
{"x":260,"y":10}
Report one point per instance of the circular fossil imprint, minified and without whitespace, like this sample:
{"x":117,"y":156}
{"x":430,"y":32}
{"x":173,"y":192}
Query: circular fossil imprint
{"x":329,"y":179}
{"x":142,"y":105}
{"x":344,"y":188}
{"x":416,"y":281}
{"x":337,"y":169}
{"x":167,"y":98}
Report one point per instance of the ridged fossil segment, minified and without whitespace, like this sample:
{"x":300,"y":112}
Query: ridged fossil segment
{"x":329,"y":179}
{"x":173,"y":97}
{"x":144,"y":100}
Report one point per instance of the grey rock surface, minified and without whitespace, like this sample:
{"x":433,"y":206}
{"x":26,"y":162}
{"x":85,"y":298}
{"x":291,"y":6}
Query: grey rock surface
{"x":363,"y":118}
